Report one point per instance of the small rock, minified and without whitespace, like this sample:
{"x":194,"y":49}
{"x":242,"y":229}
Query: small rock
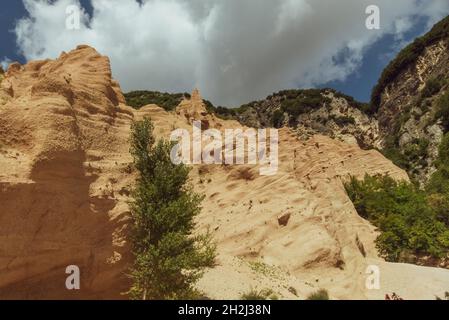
{"x":283,"y":220}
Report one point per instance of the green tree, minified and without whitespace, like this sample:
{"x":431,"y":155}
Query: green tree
{"x":169,"y":258}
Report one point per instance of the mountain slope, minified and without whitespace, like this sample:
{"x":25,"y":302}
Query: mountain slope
{"x":313,"y":111}
{"x":410,"y":99}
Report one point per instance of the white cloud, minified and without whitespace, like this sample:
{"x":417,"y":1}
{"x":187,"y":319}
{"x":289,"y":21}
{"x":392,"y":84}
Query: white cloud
{"x":5,"y":63}
{"x":233,"y":50}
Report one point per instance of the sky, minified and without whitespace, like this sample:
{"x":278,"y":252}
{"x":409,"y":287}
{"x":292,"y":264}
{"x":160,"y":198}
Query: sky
{"x":234,"y":51}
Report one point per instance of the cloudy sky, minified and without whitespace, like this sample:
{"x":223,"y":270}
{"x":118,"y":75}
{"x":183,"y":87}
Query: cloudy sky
{"x":235,"y":51}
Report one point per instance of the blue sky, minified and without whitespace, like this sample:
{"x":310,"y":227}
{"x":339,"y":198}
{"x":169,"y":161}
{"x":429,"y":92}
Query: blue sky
{"x":360,"y":83}
{"x":12,"y":11}
{"x":222,"y":46}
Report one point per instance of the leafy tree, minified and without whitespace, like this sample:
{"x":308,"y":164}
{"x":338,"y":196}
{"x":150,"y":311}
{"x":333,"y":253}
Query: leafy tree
{"x":169,"y":258}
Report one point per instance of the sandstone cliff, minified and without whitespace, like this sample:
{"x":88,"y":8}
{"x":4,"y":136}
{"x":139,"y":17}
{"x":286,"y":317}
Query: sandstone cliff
{"x":63,"y":160}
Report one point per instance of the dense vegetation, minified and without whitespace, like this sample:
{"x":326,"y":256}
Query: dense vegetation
{"x":299,"y":101}
{"x":292,"y":102}
{"x":407,"y":56}
{"x":221,"y":112}
{"x":168,"y":101}
{"x":413,"y":155}
{"x":169,"y":259}
{"x":413,"y":222}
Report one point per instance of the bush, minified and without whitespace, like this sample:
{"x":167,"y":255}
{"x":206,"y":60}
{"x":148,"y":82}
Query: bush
{"x":277,"y":118}
{"x":443,"y":110}
{"x":404,"y":215}
{"x":254,"y":295}
{"x":321,"y":294}
{"x":169,"y":259}
{"x":433,"y":86}
{"x":221,"y":112}
{"x":416,"y":150}
{"x":395,"y":155}
{"x":415,"y":153}
{"x":167,"y":101}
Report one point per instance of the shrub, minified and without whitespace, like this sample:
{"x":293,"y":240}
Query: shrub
{"x":293,"y":291}
{"x":254,"y":295}
{"x":321,"y":294}
{"x":443,"y":110}
{"x":446,"y":296}
{"x":277,"y":118}
{"x":169,"y":259}
{"x":413,"y":154}
{"x":416,"y":150}
{"x":167,"y":101}
{"x":395,"y":155}
{"x":221,"y":112}
{"x":433,"y":86}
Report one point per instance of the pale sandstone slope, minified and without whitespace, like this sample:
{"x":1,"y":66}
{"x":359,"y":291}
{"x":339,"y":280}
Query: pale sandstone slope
{"x":65,"y":179}
{"x":63,"y":134}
